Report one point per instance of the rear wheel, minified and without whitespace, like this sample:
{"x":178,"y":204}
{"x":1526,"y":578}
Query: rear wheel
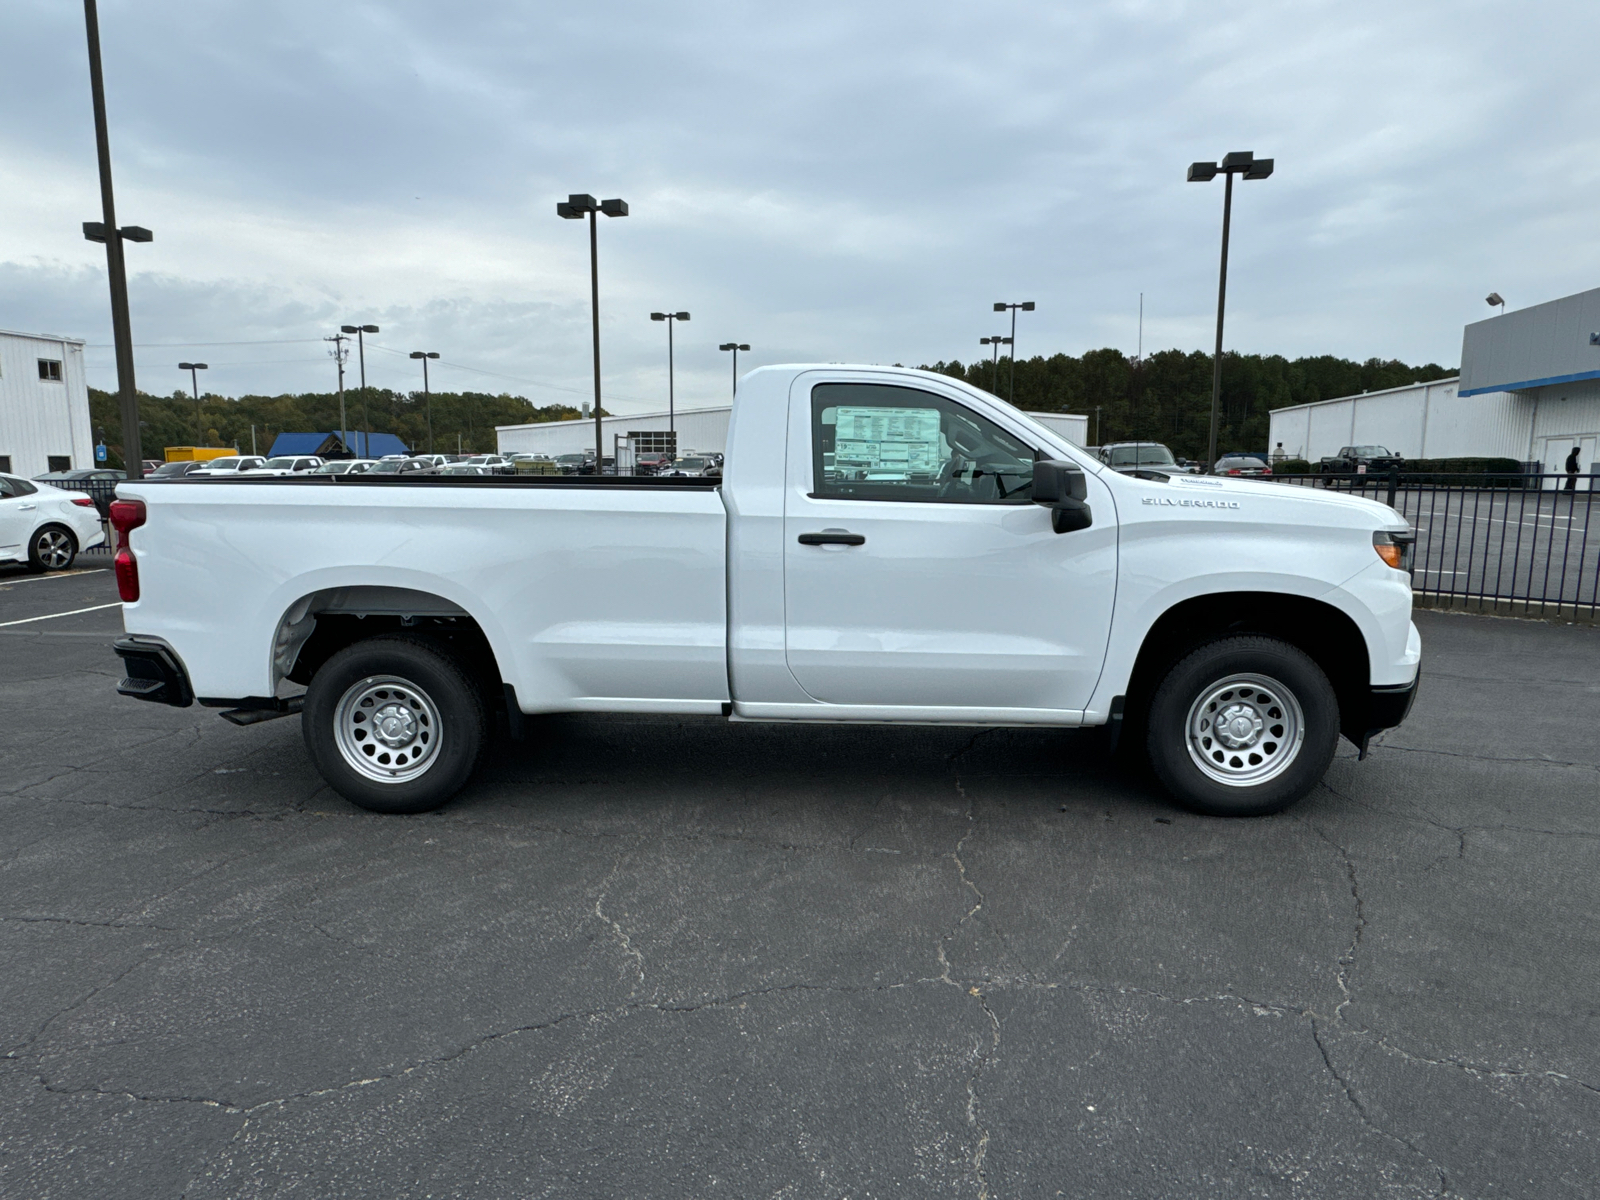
{"x":394,"y":724}
{"x":1243,"y":727}
{"x":52,"y":548}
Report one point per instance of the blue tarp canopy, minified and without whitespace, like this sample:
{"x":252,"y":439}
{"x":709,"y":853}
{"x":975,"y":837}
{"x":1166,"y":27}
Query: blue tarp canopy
{"x":362,"y":445}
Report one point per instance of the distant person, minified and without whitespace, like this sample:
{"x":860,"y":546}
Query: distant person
{"x":1572,"y":470}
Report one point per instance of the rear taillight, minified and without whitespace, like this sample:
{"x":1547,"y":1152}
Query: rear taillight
{"x":126,"y":516}
{"x":1233,"y":471}
{"x":83,"y":501}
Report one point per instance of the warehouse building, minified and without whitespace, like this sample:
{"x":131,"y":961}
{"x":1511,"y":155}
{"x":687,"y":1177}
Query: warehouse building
{"x":1529,"y":390}
{"x":704,"y":429}
{"x":44,"y":405}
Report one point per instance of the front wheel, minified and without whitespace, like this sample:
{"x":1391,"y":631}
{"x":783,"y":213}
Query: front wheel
{"x":394,"y":724}
{"x":1243,"y":727}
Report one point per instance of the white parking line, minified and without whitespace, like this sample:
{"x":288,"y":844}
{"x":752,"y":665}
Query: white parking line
{"x":56,"y":575}
{"x":52,"y":616}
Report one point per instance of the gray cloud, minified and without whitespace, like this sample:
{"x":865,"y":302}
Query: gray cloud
{"x":829,"y":182}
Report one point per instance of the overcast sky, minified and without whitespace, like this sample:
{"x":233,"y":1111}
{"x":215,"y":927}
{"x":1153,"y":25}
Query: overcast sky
{"x":828,"y":181}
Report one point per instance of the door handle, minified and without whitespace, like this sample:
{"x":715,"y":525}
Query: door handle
{"x":833,"y":537}
{"x":27,"y":507}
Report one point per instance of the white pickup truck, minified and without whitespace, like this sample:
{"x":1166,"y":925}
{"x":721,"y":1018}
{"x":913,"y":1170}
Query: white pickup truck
{"x":885,"y":545}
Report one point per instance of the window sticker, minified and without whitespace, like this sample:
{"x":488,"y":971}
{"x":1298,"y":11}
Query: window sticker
{"x":887,"y":441}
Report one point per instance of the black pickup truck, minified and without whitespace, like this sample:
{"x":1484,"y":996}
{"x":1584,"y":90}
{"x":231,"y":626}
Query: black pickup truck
{"x":1361,"y":460}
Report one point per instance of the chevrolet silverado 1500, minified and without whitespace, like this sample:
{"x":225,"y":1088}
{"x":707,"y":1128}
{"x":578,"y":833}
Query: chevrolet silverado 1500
{"x":885,"y":545}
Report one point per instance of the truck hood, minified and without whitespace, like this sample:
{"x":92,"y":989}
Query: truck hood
{"x":1354,"y":509}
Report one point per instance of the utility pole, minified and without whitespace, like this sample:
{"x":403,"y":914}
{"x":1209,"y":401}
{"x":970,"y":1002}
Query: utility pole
{"x":105,"y":230}
{"x":339,"y":354}
{"x":194,"y":380}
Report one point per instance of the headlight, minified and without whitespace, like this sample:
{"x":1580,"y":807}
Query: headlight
{"x":1395,"y":547}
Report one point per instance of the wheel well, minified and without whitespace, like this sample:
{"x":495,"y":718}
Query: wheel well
{"x":1328,"y":636}
{"x":320,"y":625}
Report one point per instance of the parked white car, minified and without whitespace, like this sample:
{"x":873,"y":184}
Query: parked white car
{"x":232,"y":464}
{"x":287,"y":464}
{"x":885,"y":546}
{"x":346,"y":466}
{"x":45,"y":526}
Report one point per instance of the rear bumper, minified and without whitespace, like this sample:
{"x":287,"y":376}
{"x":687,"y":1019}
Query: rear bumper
{"x":154,"y":671}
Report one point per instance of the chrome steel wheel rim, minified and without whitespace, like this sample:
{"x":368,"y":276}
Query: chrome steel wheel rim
{"x":387,"y":728}
{"x":1245,"y":730}
{"x":54,"y":549}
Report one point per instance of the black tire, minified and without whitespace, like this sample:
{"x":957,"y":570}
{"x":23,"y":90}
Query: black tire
{"x":52,"y":548}
{"x":436,"y":721}
{"x":1260,"y":762}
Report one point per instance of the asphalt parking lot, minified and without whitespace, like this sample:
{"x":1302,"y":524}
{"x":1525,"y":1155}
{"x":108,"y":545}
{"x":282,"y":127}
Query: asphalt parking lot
{"x":657,"y":957}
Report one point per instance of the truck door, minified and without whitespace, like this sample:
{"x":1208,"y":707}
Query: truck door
{"x":918,"y":572}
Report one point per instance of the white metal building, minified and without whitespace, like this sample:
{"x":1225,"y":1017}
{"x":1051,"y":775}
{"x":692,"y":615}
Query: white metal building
{"x":704,"y":429}
{"x":1072,"y":426}
{"x":1424,"y":420}
{"x":698,"y":429}
{"x":44,"y":405}
{"x":1529,"y":390}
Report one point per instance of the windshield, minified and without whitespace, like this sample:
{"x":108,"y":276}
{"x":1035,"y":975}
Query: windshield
{"x":387,"y":467}
{"x":224,"y":464}
{"x":279,"y":464}
{"x":690,"y":463}
{"x":1148,"y":454}
{"x":333,"y":468}
{"x":572,"y":458}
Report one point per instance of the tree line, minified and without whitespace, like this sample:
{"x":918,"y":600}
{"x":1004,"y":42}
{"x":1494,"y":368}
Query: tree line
{"x":463,"y":420}
{"x":1166,"y":397}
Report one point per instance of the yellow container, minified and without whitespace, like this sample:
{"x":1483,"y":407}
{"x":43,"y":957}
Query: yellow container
{"x":198,"y":453}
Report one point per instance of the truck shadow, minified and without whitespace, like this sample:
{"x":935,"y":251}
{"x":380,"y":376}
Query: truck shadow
{"x":639,"y":762}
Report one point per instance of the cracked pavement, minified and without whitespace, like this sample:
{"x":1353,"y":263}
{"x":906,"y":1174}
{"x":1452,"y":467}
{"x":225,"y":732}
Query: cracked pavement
{"x":675,"y":957}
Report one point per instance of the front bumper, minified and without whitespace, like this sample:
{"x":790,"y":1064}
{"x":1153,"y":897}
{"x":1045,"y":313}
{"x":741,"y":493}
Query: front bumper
{"x":1386,"y":708}
{"x":154,"y":671}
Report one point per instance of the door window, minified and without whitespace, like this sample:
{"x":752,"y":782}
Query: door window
{"x":874,"y":441}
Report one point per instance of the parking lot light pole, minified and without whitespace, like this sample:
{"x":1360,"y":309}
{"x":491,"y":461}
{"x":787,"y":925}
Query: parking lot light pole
{"x":427,"y":397}
{"x":194,"y":382}
{"x":994,"y":371}
{"x":105,"y":230}
{"x":1025,"y":306}
{"x":573,"y":209}
{"x":361,"y":354}
{"x":670,"y":318}
{"x":735,"y":347}
{"x":1239,"y":162}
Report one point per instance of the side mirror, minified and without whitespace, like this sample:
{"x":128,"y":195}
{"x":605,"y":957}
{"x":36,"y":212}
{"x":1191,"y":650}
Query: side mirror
{"x":1061,"y":486}
{"x":1055,"y":481}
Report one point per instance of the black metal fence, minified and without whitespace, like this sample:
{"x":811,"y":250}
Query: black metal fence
{"x":1509,"y":543}
{"x":103,"y":491}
